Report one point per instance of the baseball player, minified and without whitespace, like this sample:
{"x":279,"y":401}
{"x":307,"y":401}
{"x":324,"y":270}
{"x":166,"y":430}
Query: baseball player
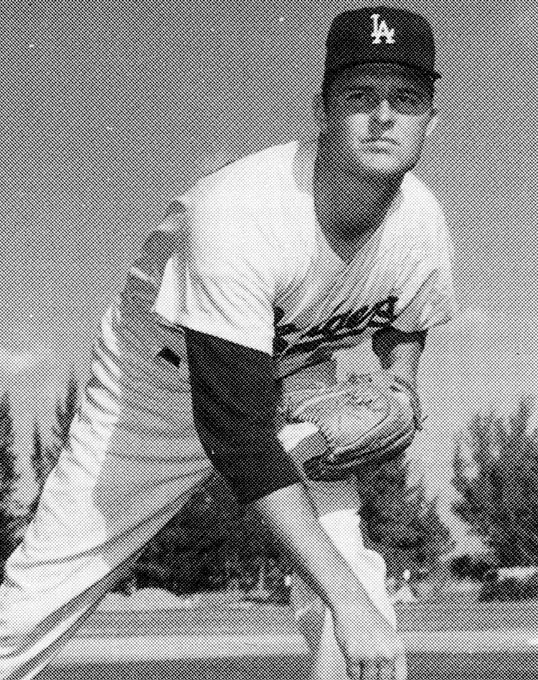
{"x":258,"y":274}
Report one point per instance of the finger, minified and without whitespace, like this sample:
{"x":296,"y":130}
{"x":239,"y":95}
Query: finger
{"x":369,"y":670}
{"x":400,"y":667}
{"x":385,"y":670}
{"x":354,"y":671}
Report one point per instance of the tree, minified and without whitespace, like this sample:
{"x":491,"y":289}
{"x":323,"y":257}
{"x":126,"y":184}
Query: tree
{"x":186,"y":555}
{"x":8,"y":477}
{"x":44,"y":458}
{"x":400,"y":521}
{"x":213,"y":541}
{"x":210,"y":543}
{"x":496,"y":475}
{"x":473,"y":567}
{"x":39,"y":455}
{"x":65,"y":412}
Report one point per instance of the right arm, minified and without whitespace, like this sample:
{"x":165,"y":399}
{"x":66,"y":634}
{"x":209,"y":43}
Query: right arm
{"x":235,"y":411}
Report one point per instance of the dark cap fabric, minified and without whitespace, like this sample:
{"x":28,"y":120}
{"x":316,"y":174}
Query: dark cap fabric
{"x":381,"y":34}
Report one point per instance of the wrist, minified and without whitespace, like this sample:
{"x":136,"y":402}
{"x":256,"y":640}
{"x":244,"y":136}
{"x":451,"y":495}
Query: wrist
{"x":405,"y":373}
{"x":405,"y":380}
{"x":352,"y":602}
{"x":408,"y":384}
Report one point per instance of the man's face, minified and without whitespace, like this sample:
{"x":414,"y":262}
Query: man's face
{"x":375,"y":118}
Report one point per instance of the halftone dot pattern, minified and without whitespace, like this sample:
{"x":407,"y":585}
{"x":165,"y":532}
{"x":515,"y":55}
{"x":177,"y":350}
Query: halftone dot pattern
{"x":110,"y":109}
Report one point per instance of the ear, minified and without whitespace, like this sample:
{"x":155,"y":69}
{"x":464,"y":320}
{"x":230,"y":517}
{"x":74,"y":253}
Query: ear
{"x":320,"y":115}
{"x":432,"y":123}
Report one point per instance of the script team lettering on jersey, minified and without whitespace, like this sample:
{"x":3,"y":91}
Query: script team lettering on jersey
{"x":289,"y":339}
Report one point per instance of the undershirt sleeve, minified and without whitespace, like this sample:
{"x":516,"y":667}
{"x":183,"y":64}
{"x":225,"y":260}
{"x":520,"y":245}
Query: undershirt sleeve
{"x":234,"y":399}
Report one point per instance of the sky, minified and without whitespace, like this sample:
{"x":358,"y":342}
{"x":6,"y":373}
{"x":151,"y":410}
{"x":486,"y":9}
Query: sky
{"x":111,"y":108}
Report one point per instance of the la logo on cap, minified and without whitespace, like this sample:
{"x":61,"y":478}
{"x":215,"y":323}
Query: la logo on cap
{"x":381,"y":30}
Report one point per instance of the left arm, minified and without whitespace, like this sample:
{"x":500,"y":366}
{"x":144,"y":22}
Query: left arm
{"x":399,"y":355}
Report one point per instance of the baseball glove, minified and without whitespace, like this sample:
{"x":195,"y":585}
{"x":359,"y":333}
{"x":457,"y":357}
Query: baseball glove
{"x":365,"y":420}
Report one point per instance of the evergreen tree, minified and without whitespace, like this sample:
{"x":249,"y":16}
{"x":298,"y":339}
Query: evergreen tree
{"x":496,"y":475}
{"x":65,"y":411}
{"x":8,"y":477}
{"x":213,"y":541}
{"x":400,"y":521}
{"x":210,"y":543}
{"x":44,"y":457}
{"x":185,"y":555}
{"x":238,"y":545}
{"x":39,"y":454}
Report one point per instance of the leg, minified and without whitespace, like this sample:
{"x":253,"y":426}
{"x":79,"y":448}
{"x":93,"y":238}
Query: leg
{"x":110,"y":492}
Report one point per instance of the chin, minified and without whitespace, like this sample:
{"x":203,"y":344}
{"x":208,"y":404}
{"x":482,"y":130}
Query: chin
{"x":388,"y":164}
{"x":381,"y":167}
{"x":384,"y":165}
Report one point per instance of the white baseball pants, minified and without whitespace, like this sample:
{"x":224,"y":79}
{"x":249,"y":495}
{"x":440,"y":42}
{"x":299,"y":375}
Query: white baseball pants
{"x":132,"y":462}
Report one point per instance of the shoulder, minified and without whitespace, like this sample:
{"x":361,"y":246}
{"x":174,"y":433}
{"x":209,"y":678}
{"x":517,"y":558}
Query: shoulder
{"x":243,"y":204}
{"x":417,"y":194}
{"x":423,"y":212}
{"x":251,"y":175}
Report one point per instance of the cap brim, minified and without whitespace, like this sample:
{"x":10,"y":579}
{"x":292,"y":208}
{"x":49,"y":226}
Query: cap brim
{"x":434,"y":75}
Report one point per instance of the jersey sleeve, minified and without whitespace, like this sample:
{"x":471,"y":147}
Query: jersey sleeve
{"x":221,"y":278}
{"x":425,"y":291}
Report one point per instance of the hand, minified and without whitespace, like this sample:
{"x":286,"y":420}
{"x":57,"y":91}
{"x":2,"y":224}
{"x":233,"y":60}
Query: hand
{"x":407,"y":385}
{"x":371,"y":647}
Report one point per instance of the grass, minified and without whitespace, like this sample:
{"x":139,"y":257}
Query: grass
{"x":421,"y":667}
{"x":457,"y":615}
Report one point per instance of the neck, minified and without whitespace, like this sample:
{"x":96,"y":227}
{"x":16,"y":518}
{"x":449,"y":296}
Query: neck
{"x":349,"y":205}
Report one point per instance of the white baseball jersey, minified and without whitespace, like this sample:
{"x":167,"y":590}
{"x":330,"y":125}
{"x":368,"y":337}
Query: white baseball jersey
{"x":252,"y":265}
{"x":247,"y":262}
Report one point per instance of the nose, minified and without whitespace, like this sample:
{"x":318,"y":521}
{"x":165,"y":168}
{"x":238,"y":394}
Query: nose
{"x":383,"y":112}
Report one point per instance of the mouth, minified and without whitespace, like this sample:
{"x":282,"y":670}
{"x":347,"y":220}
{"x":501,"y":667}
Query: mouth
{"x":381,"y":141}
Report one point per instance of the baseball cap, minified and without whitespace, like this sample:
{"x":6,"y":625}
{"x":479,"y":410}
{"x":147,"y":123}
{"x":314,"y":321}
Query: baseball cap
{"x":381,"y":34}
